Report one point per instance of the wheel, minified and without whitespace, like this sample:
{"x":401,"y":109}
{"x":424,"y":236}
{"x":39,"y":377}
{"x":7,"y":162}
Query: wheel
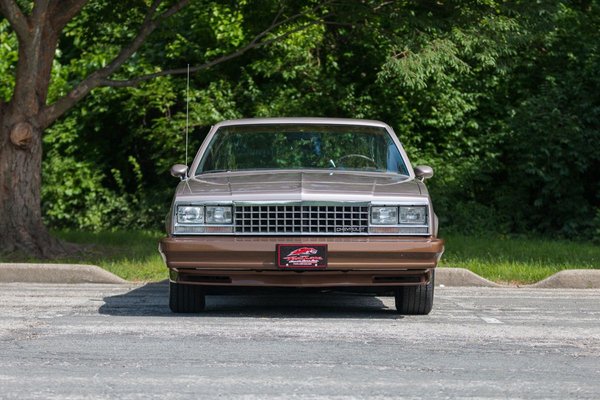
{"x":186,"y":298}
{"x":415,"y":300}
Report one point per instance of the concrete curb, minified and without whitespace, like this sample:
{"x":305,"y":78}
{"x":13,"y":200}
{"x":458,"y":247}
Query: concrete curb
{"x":56,"y":273}
{"x":571,"y":279}
{"x":566,"y":279}
{"x":461,"y":277}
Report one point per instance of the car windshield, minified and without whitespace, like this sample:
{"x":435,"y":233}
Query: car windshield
{"x":302,"y":146}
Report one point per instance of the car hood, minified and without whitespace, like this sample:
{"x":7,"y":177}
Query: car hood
{"x":300,"y":186}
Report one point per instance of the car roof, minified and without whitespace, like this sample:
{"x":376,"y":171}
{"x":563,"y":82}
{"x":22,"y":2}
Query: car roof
{"x":303,"y":120}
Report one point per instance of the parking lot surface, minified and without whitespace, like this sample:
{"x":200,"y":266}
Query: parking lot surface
{"x":121,"y":341}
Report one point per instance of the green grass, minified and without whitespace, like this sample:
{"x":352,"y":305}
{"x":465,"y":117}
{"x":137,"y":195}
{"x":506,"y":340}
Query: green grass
{"x":515,"y":259}
{"x":131,"y":255}
{"x":134,"y":255}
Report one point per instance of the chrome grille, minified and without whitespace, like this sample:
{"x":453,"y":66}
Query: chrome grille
{"x":301,"y":219}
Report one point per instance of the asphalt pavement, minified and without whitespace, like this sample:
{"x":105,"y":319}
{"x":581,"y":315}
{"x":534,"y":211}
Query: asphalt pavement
{"x":121,"y":341}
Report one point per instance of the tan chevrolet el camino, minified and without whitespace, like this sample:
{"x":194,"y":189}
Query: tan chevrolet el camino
{"x":302,"y":203}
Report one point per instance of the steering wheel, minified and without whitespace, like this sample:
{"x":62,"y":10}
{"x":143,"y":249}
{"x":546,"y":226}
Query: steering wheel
{"x":369,"y":159}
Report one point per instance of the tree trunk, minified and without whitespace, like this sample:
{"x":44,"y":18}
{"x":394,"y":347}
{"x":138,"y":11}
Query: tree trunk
{"x":21,"y":227}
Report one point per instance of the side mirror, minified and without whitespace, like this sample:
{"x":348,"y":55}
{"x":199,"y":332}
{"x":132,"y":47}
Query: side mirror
{"x":423,"y":172}
{"x":179,"y":171}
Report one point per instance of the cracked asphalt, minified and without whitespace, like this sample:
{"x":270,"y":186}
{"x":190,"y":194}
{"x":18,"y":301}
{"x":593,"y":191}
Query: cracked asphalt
{"x":121,"y":341}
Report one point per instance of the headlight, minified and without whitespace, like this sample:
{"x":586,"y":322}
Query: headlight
{"x":415,"y":215}
{"x":190,"y":215}
{"x":384,"y":215}
{"x":218,"y":215}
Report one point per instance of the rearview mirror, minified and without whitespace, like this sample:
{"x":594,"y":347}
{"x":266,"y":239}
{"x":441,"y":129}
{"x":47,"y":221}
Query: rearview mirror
{"x":179,"y":171}
{"x":423,"y":172}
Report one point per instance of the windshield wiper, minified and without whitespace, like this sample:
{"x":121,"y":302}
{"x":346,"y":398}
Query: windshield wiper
{"x":212,"y":171}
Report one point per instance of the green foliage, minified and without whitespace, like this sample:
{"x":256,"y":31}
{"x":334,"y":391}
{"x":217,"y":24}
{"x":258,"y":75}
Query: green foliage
{"x":507,"y":110}
{"x":8,"y":60}
{"x":75,"y":197}
{"x":555,"y":126}
{"x":501,"y":98}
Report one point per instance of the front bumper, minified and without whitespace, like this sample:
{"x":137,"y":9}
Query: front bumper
{"x":251,"y":261}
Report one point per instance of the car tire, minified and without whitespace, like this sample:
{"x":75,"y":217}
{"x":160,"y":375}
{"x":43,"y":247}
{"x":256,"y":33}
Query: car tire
{"x":415,"y":300}
{"x":186,"y":298}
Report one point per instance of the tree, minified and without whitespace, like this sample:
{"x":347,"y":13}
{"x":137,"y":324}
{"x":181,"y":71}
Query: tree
{"x":26,"y":114}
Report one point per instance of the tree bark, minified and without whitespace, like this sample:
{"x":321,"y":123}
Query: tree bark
{"x":22,"y":230}
{"x":21,"y":226}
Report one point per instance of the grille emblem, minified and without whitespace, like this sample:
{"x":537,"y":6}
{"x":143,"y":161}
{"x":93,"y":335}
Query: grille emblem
{"x":351,"y":229}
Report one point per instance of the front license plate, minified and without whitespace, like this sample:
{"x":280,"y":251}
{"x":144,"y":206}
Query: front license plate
{"x":302,"y":256}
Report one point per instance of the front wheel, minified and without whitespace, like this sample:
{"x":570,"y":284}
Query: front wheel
{"x":186,"y":298}
{"x":415,"y":300}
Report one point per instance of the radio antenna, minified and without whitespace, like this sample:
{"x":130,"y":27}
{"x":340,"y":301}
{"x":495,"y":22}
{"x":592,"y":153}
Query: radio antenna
{"x":187,"y":113}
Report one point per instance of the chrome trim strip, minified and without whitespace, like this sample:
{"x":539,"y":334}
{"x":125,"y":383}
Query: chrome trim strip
{"x":302,"y":234}
{"x":302,"y":203}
